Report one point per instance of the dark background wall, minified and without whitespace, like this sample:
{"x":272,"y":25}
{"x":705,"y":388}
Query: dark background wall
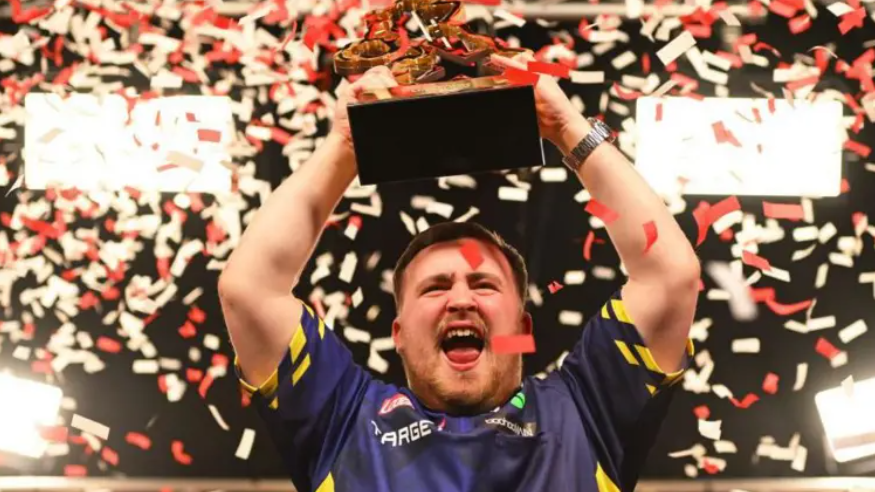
{"x":549,"y":229}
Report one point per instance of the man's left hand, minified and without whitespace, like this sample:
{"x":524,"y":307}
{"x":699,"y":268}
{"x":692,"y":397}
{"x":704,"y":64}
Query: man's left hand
{"x":556,"y":114}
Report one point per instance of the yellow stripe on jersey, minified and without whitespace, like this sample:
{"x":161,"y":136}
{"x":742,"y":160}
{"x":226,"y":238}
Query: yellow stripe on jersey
{"x":275,"y":403}
{"x":620,"y":311}
{"x":647,"y":357}
{"x":299,"y":340}
{"x":321,"y":329}
{"x":605,"y":313}
{"x":327,"y":485}
{"x":650,"y":388}
{"x":603,"y":481}
{"x":299,"y":372}
{"x":627,"y":354}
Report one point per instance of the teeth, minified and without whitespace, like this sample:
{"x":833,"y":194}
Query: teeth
{"x":462,"y":333}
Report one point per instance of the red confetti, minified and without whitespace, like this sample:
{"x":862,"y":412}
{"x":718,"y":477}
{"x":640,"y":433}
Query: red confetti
{"x":706,"y":214}
{"x":205,"y":135}
{"x":471,"y":251}
{"x":624,"y":94}
{"x":109,"y":456}
{"x":770,"y":383}
{"x":826,"y":349}
{"x":651,"y":234}
{"x":702,"y":412}
{"x":791,"y":211}
{"x":755,"y":261}
{"x":193,"y":375}
{"x":520,"y":77}
{"x":723,"y":135}
{"x":109,"y":345}
{"x":179,"y":454}
{"x":555,"y":69}
{"x":513,"y":344}
{"x":787,"y":309}
{"x":138,"y":440}
{"x":800,"y":24}
{"x":187,"y":330}
{"x":858,"y":148}
{"x":659,"y":112}
{"x":782,"y":9}
{"x":748,"y":400}
{"x":55,"y":433}
{"x":206,"y":382}
{"x":601,"y":211}
{"x":852,"y":20}
{"x":75,"y":471}
{"x":554,"y":287}
{"x":196,"y":315}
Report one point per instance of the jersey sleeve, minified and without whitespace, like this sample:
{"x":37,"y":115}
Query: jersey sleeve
{"x":623,"y":392}
{"x":310,"y":401}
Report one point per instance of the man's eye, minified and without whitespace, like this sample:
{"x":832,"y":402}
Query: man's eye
{"x":486,"y":285}
{"x":432,"y":287}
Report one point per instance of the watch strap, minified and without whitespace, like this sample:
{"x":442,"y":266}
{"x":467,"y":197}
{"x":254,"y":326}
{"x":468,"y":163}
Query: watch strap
{"x":599,"y":134}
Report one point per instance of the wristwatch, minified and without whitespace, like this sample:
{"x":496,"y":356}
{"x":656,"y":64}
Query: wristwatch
{"x":600,"y":133}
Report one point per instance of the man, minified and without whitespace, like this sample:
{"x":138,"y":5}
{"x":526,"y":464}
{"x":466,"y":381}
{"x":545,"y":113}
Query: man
{"x":468,"y":421}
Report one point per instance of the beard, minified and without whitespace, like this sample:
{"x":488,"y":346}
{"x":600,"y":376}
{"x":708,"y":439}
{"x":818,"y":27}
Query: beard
{"x":473,"y":392}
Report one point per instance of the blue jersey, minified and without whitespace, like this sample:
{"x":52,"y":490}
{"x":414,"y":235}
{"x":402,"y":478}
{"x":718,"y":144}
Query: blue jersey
{"x":586,"y":427}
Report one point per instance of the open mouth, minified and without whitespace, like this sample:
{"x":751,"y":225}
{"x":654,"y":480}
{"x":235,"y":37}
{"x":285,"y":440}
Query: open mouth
{"x":462,"y":347}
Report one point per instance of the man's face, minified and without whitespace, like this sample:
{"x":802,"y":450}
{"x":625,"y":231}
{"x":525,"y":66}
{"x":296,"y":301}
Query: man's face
{"x":447,"y":315}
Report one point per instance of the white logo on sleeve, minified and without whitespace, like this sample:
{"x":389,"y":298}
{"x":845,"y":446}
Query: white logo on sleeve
{"x":408,"y":434}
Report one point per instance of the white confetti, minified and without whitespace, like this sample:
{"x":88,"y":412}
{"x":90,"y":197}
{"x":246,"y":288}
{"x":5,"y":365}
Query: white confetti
{"x":245,"y":446}
{"x":746,"y":346}
{"x":591,"y":77}
{"x":677,"y":47}
{"x":801,"y":376}
{"x":87,"y":425}
{"x":218,"y":418}
{"x":710,"y":429}
{"x":347,"y":268}
{"x":852,"y":331}
{"x":571,"y":318}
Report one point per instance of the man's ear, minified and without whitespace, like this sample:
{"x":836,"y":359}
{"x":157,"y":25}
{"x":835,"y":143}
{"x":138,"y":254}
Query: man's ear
{"x":396,"y":334}
{"x":527,"y":323}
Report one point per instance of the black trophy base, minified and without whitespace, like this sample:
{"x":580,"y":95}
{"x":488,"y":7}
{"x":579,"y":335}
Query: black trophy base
{"x":433,"y":130}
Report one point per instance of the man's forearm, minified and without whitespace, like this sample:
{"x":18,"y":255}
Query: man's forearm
{"x":612,"y":180}
{"x":276,"y":246}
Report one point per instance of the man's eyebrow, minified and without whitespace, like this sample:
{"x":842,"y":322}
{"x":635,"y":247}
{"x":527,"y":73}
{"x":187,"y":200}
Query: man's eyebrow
{"x":446,"y":277}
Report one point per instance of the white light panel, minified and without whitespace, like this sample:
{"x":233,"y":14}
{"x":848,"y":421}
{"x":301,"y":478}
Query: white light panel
{"x":795,"y":151}
{"x":87,"y":142}
{"x":29,"y":405}
{"x":847,"y":420}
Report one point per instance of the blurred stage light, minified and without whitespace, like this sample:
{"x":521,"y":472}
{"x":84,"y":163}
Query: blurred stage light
{"x":739,"y":146}
{"x":169,"y":144}
{"x":27,"y":406}
{"x":848,"y":420}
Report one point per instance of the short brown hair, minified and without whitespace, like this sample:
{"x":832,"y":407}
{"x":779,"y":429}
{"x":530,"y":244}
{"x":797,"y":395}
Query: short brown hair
{"x":451,"y":231}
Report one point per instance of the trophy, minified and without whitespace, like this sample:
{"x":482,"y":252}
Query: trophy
{"x":428,"y":127}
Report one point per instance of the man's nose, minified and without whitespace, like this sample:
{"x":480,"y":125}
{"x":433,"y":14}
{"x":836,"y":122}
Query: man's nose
{"x":461,"y":299}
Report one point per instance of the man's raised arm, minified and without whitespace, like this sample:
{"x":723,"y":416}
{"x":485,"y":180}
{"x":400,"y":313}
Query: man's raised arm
{"x":660,"y":296}
{"x":255,"y":286}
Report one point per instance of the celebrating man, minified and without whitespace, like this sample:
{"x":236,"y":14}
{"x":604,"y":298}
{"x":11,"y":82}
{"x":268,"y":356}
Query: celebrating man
{"x":467,"y":421}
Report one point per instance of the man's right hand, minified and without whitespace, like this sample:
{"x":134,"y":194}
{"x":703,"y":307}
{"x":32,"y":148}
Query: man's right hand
{"x":376,"y":78}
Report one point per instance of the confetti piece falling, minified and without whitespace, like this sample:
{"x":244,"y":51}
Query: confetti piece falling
{"x":87,"y":425}
{"x":601,"y":211}
{"x":513,"y":344}
{"x":650,"y":235}
{"x":470,"y":250}
{"x":677,"y":47}
{"x":783,"y":211}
